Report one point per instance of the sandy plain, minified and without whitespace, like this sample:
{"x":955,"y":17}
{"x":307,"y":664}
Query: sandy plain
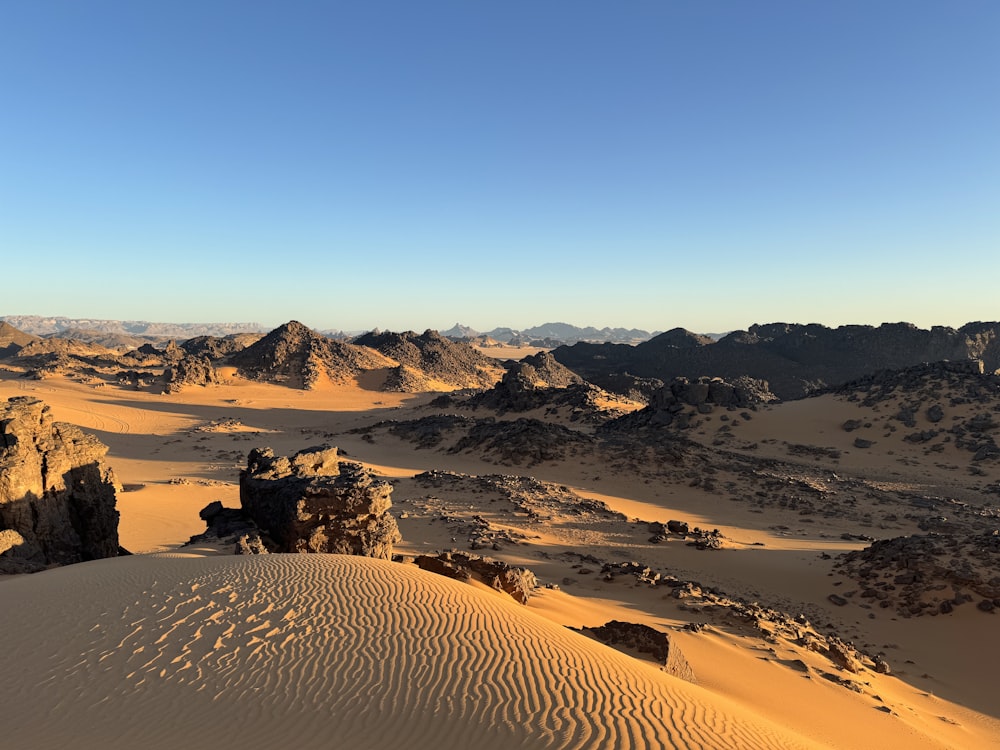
{"x":186,"y":646}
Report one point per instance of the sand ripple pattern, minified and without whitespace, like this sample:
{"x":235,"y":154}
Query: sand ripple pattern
{"x":324,"y":651}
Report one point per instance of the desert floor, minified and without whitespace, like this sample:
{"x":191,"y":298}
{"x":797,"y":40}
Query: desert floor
{"x":185,"y":644}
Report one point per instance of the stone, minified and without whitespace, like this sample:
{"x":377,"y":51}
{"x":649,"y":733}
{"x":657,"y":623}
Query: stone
{"x":646,"y":640}
{"x":56,"y":492}
{"x":519,"y":583}
{"x":843,"y":656}
{"x":314,"y":502}
{"x":678,"y":527}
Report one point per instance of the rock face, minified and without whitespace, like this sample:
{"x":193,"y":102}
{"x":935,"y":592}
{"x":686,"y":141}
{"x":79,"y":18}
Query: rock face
{"x":794,"y":359}
{"x":313,"y":502}
{"x":646,"y":640}
{"x":57,"y":497}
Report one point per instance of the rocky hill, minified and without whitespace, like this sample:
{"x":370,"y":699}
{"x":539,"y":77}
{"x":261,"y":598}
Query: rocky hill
{"x":302,"y":358}
{"x":434,"y":357}
{"x":12,"y":339}
{"x":794,"y":359}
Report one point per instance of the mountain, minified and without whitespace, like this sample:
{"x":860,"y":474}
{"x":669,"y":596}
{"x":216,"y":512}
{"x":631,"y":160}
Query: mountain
{"x":563,"y":333}
{"x":795,"y":359}
{"x":458,"y":331}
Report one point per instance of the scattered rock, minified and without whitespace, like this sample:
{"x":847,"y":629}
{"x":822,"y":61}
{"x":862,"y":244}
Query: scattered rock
{"x":519,"y":583}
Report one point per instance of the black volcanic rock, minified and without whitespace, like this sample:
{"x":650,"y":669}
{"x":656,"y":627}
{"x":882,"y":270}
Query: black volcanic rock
{"x":794,"y":359}
{"x":57,"y":496}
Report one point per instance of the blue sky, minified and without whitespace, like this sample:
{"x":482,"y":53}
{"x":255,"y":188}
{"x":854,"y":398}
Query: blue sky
{"x":649,"y":164}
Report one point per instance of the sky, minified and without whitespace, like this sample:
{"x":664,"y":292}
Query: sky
{"x":708,"y":164}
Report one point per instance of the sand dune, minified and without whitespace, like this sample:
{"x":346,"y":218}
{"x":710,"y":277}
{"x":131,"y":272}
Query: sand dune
{"x":325,"y":651}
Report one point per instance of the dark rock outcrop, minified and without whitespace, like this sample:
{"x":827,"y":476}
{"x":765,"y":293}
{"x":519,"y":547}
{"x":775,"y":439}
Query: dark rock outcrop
{"x":313,"y":502}
{"x":646,"y":640}
{"x":674,"y":403}
{"x":519,"y":583}
{"x":215,"y":347}
{"x":190,"y":370}
{"x":57,"y":496}
{"x":300,"y":357}
{"x":435,"y":357}
{"x":794,"y":359}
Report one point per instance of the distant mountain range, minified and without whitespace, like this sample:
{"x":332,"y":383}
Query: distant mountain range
{"x":119,"y":333}
{"x":551,"y":334}
{"x":86,"y":328}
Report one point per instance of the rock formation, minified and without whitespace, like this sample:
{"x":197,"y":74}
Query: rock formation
{"x":437,"y":358}
{"x":928,"y":573}
{"x":646,"y":640}
{"x":670,"y":405}
{"x":313,"y":502}
{"x":12,"y":340}
{"x":519,"y":583}
{"x":302,"y":358}
{"x":794,"y":359}
{"x":190,"y":370}
{"x":57,"y":497}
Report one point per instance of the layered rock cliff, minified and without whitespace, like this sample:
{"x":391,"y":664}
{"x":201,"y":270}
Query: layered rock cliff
{"x":57,"y":496}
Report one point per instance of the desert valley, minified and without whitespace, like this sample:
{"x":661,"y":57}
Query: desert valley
{"x":787,"y":536}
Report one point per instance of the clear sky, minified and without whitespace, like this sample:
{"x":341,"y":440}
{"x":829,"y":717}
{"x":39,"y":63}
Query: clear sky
{"x":406,"y":165}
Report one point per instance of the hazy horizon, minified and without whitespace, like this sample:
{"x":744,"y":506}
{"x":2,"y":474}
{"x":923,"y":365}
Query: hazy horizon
{"x":394,"y":165}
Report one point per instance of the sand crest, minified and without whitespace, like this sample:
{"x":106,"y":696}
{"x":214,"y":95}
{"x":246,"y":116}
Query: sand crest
{"x":319,"y":651}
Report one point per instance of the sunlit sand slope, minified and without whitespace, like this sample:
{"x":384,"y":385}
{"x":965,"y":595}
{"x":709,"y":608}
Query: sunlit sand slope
{"x":321,"y":651}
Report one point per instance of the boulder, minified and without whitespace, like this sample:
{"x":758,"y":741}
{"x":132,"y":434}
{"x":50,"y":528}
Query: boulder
{"x":57,"y":496}
{"x":314,"y":502}
{"x":646,"y":640}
